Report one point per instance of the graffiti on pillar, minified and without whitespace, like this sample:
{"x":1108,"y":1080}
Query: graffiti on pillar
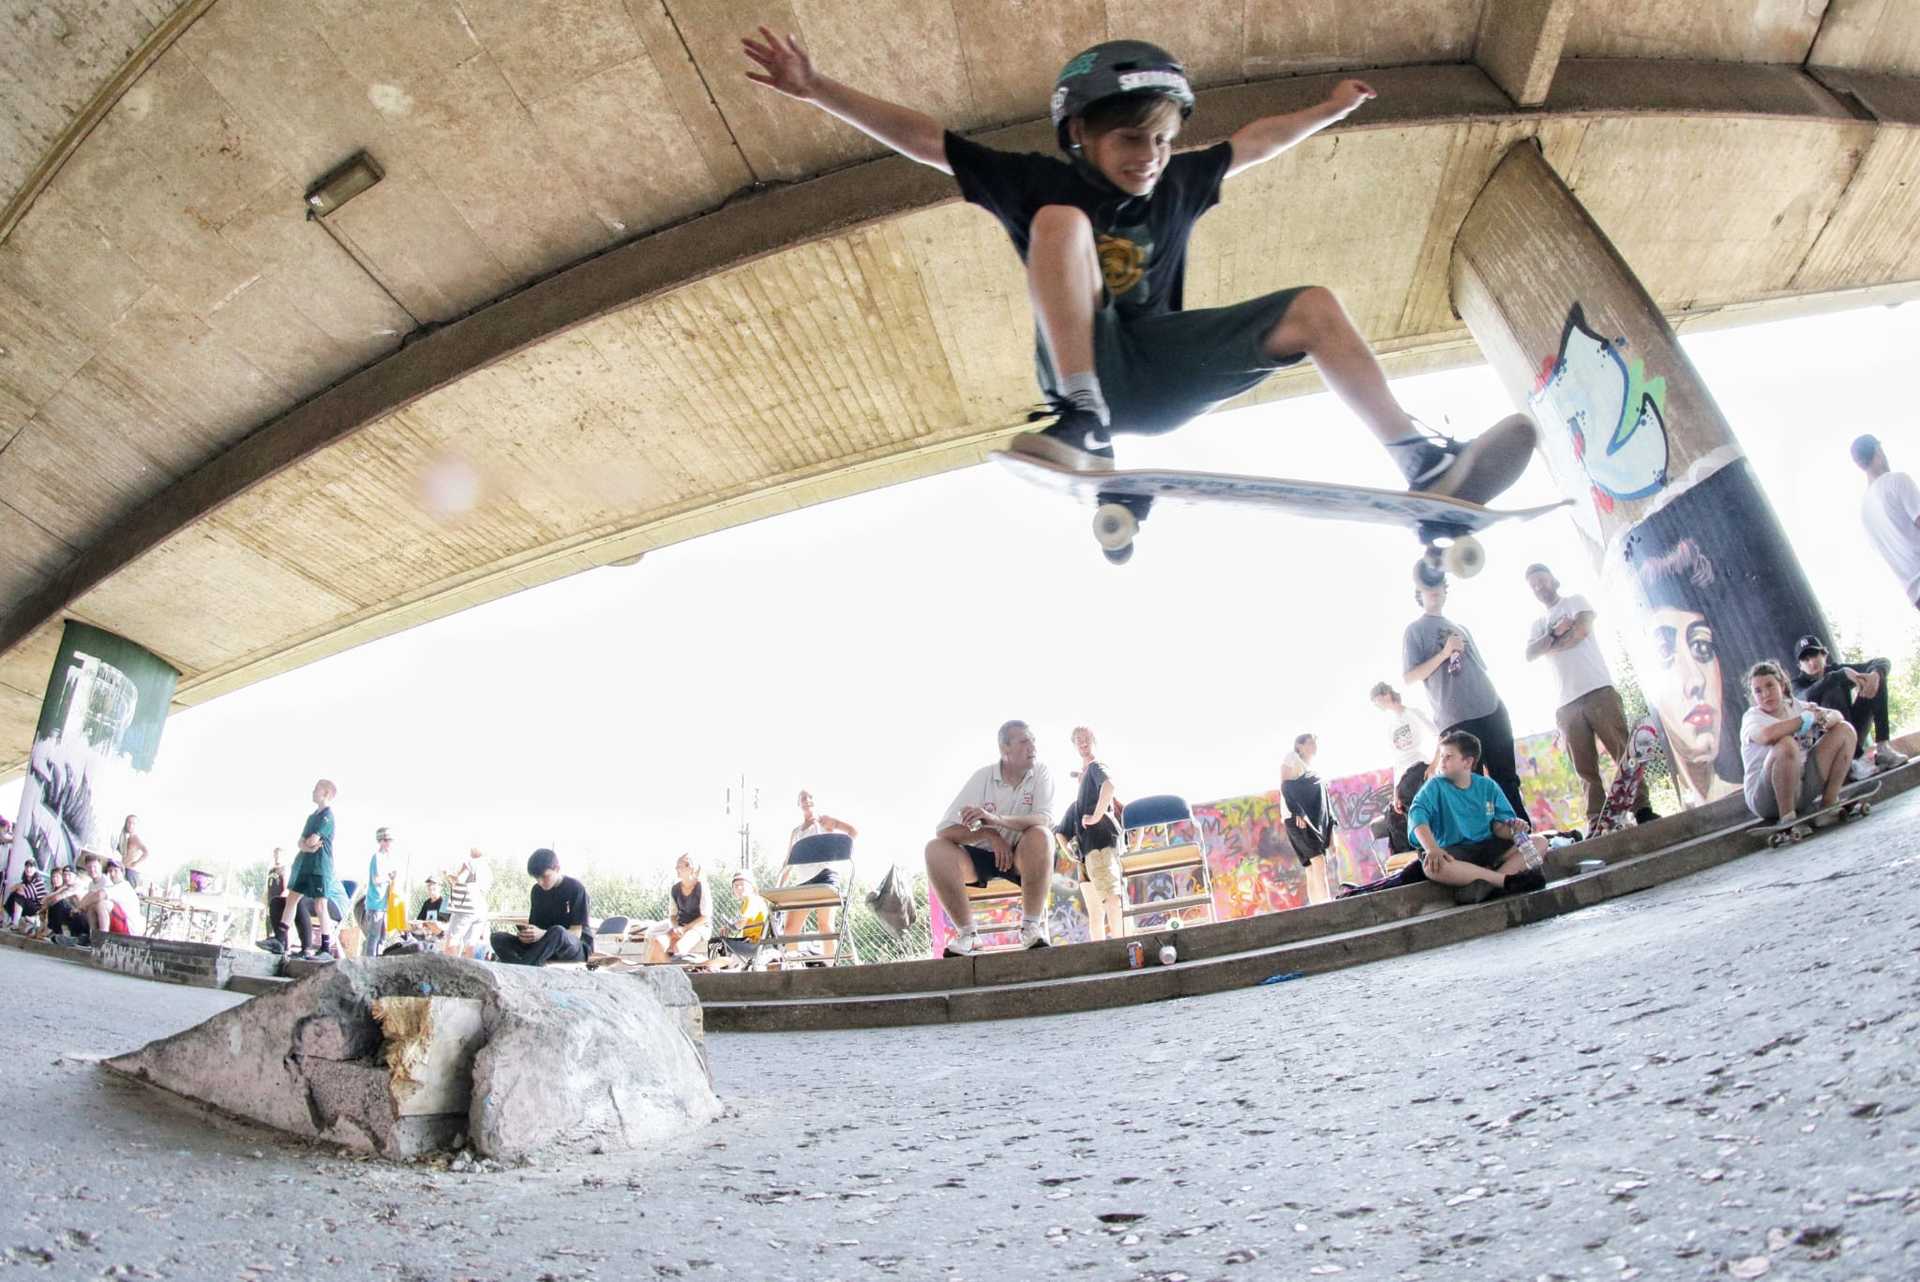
{"x":99,"y":728}
{"x":1612,"y":442}
{"x":1719,"y":589}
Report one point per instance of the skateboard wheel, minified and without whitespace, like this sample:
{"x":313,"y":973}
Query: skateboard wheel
{"x":1120,"y":555}
{"x":1465,"y":557}
{"x":1114,"y":526}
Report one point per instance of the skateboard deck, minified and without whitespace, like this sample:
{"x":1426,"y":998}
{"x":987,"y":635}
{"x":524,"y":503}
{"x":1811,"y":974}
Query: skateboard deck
{"x":1854,"y":803}
{"x":1324,"y":499}
{"x":1617,"y":810}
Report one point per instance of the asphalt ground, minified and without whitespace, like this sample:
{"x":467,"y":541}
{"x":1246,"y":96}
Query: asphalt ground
{"x":1713,"y":1079}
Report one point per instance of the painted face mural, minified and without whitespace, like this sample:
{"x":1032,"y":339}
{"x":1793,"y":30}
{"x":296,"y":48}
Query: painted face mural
{"x":1611,"y":417}
{"x":1687,"y":689}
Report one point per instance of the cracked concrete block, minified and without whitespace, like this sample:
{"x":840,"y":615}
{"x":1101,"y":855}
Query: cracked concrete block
{"x":518,"y":1060}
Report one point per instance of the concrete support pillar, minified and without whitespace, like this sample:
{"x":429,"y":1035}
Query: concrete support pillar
{"x":1695,"y":570}
{"x":1519,"y":43}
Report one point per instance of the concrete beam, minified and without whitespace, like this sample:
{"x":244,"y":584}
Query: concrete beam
{"x":1519,"y":45}
{"x":781,"y":218}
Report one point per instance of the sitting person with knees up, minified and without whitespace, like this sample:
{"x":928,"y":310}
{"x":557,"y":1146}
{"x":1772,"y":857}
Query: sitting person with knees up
{"x":1858,"y":692}
{"x":1467,"y":830}
{"x":115,"y":904}
{"x":1795,"y":755}
{"x":557,"y":928}
{"x":26,"y":896}
{"x":1000,"y":825}
{"x":683,"y":935}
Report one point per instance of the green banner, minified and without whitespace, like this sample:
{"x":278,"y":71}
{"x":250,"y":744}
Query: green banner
{"x":100,"y":725}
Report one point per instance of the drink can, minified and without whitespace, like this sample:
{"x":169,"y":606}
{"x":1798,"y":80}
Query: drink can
{"x":1136,"y":955}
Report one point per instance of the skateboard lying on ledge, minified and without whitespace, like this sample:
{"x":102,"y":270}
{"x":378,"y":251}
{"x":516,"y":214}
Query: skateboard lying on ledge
{"x":1445,"y":525}
{"x":1854,"y":803}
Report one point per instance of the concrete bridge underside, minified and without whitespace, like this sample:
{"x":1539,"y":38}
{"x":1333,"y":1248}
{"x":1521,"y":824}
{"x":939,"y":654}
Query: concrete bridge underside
{"x":636,"y":299}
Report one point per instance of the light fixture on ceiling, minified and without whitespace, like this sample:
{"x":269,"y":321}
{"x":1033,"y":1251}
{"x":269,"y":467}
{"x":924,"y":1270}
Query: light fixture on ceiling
{"x":345,"y":181}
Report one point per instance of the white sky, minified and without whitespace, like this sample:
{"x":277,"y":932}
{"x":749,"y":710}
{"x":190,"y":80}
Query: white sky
{"x":868,"y":648}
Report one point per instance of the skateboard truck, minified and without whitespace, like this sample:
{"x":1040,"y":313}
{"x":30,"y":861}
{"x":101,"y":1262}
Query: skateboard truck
{"x":1451,"y":549}
{"x":1116,"y":521}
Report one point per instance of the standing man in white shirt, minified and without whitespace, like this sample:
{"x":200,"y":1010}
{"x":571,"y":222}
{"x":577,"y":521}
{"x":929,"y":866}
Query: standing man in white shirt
{"x":1891,"y":513}
{"x":1590,"y":708}
{"x":1000,"y":825}
{"x":467,"y":924}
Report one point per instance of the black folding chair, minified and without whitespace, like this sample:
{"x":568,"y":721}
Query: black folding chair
{"x":816,"y":853}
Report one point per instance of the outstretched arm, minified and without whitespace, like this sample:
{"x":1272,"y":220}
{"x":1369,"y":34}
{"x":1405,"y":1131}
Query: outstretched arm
{"x":785,"y":67}
{"x":1267,"y":137}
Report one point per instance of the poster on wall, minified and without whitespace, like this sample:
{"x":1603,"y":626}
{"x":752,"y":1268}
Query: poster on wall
{"x":1718,"y":589}
{"x":99,"y":730}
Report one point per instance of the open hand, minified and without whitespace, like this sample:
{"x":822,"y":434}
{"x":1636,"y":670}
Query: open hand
{"x":785,"y":63}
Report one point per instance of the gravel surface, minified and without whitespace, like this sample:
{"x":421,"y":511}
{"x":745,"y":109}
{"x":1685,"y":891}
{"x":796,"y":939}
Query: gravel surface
{"x":1714,"y":1079}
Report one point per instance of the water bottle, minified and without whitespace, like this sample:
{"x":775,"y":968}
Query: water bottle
{"x":1168,"y":954}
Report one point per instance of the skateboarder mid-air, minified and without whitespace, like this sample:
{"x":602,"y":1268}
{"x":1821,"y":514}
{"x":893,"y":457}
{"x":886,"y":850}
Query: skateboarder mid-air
{"x":1103,"y":233}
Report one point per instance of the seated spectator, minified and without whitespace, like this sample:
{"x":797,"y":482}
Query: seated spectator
{"x":557,"y":929}
{"x":66,"y":920}
{"x":1467,"y":829}
{"x":683,"y":935}
{"x":750,"y":919}
{"x":434,"y":906}
{"x":1794,"y":754}
{"x":116,"y":905}
{"x":1415,"y":740}
{"x":26,"y":896}
{"x":1858,"y":692}
{"x":1001,"y":825}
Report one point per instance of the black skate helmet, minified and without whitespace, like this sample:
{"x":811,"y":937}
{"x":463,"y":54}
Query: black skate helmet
{"x":1114,"y":69}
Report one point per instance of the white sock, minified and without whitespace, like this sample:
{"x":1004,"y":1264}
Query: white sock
{"x":1083,"y":391}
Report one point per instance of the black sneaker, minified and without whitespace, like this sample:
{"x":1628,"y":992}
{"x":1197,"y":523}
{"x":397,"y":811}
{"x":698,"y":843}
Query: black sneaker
{"x":1475,"y":471}
{"x":272,"y":946}
{"x":1525,"y":881}
{"x":1076,"y":440}
{"x":1644,"y":815}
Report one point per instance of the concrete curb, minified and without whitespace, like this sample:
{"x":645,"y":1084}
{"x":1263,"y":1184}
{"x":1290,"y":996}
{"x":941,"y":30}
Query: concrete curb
{"x":1237,"y":954}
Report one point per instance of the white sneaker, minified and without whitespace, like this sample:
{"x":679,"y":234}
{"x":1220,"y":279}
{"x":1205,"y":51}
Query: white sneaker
{"x":1860,"y":771}
{"x":962,"y":944}
{"x":1887,"y":757}
{"x":1033,"y":934}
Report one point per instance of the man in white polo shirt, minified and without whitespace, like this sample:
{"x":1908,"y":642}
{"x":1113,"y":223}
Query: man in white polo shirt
{"x":1891,"y":513}
{"x":1001,"y":825}
{"x":1590,"y":707}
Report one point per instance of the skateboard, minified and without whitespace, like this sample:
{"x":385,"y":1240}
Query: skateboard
{"x":1445,"y":525}
{"x":1618,"y":808}
{"x":1855,"y":805}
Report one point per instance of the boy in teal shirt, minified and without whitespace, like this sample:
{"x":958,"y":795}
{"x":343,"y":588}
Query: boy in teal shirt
{"x":1467,"y":829}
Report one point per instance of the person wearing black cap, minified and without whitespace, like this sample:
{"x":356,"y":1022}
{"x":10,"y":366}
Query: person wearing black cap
{"x":1891,"y":513}
{"x":1858,"y":692}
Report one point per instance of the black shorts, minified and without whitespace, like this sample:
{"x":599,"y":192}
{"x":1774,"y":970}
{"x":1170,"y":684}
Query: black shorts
{"x":1158,"y":372}
{"x":984,"y":870}
{"x":825,"y":877}
{"x":1489,"y":853}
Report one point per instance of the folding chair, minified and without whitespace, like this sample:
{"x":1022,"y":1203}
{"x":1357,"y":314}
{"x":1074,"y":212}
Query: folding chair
{"x":997,"y":891}
{"x":815,"y":853}
{"x":1183,"y":850}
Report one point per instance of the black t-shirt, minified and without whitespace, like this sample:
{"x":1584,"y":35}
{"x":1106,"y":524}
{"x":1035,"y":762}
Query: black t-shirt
{"x":434,"y":909}
{"x":1106,"y":834}
{"x":1142,"y":240}
{"x":564,"y":905}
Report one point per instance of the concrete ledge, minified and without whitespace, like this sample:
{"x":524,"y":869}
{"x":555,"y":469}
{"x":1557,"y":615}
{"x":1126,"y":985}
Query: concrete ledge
{"x":1235,"y":954}
{"x":171,"y":961}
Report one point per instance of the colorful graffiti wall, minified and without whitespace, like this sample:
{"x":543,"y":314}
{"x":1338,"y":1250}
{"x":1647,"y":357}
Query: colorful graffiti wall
{"x":1251,"y":863}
